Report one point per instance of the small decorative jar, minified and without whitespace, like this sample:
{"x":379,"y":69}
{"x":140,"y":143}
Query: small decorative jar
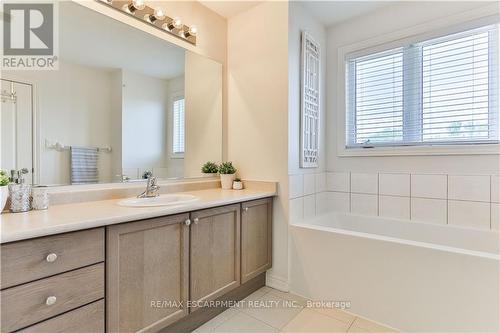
{"x":20,"y":197}
{"x":40,"y":198}
{"x":237,"y":184}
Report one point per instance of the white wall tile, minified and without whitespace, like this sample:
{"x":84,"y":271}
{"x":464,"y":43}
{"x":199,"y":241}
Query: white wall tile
{"x":309,"y":206}
{"x":395,"y":207}
{"x":495,"y":216}
{"x":429,"y":186}
{"x":473,"y":188}
{"x":320,"y":182}
{"x":469,"y":214}
{"x":364,"y":204}
{"x":364,"y":183}
{"x":394,"y":184}
{"x":338,"y":181}
{"x":296,"y":186}
{"x":429,"y":210}
{"x":338,"y":201}
{"x":309,"y":183}
{"x":495,"y":188}
{"x":322,"y":206}
{"x":296,"y":210}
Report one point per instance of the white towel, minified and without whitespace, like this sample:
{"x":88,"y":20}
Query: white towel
{"x":84,"y":165}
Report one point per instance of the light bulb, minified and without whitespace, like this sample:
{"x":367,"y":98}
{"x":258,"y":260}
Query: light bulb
{"x":159,"y":15}
{"x":192,"y":31}
{"x":138,"y":4}
{"x":175,"y":23}
{"x":135,"y":5}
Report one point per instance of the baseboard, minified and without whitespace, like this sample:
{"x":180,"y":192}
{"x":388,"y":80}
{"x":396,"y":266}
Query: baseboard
{"x":277,"y":283}
{"x":202,"y":315}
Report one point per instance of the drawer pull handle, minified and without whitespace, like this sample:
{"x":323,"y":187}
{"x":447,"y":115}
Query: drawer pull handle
{"x":51,"y":257}
{"x":51,"y":300}
{"x":196,"y":220}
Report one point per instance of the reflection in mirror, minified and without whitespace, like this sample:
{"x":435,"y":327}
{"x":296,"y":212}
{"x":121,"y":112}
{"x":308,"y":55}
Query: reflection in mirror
{"x":122,"y":105}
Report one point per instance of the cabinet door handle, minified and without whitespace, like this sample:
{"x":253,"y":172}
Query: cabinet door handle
{"x":246,"y":209}
{"x":187,"y":222}
{"x":51,"y":300}
{"x":51,"y":257}
{"x":196,"y":220}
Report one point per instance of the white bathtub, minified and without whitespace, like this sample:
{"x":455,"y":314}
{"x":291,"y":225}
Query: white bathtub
{"x":412,"y":276}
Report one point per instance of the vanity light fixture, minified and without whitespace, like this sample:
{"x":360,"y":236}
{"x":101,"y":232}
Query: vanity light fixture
{"x":155,"y":17}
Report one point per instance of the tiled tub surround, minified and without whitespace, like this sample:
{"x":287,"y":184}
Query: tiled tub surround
{"x":462,"y":200}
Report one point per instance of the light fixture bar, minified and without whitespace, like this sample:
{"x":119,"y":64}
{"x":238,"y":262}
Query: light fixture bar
{"x":155,"y":17}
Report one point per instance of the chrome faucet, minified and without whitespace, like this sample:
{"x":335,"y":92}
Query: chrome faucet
{"x":152,"y":190}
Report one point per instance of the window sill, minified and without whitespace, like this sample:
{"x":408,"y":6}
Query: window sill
{"x":476,"y":149}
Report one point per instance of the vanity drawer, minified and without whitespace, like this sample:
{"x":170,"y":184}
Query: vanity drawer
{"x":30,"y":303}
{"x":87,"y":319}
{"x":29,"y":260}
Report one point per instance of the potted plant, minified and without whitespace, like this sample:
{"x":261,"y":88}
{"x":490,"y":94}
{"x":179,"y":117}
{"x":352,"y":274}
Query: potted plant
{"x":227,"y":175}
{"x":209,"y":169}
{"x":4,"y":190}
{"x":237,"y":184}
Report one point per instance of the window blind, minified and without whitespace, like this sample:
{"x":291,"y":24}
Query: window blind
{"x":437,"y":91}
{"x":178,"y":126}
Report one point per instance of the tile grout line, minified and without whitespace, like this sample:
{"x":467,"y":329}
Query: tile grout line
{"x":237,"y":310}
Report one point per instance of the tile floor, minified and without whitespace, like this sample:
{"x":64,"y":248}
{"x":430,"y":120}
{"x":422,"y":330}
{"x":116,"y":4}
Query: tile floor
{"x":282,"y":318}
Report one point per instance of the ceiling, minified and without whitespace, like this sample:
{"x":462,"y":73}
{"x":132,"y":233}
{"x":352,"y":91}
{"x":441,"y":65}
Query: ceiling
{"x":229,"y":9}
{"x":334,"y":12}
{"x":92,"y":39}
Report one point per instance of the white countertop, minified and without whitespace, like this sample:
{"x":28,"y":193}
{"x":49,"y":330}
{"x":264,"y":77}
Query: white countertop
{"x":78,"y":216}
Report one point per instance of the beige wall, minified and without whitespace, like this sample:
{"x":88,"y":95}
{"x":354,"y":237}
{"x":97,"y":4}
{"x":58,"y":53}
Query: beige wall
{"x":258,"y":110}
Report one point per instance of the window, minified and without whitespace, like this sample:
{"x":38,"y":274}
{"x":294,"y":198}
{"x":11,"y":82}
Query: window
{"x":178,"y":126}
{"x":437,"y":91}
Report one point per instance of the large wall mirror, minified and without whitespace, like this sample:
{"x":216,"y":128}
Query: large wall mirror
{"x":122,"y":105}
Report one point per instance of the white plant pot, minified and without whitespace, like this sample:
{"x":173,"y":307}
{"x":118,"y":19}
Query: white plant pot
{"x":227,"y":181}
{"x":4,"y":194}
{"x":237,"y":185}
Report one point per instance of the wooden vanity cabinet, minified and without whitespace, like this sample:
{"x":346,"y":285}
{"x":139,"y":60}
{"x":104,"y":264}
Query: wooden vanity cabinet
{"x":147,"y":274}
{"x":256,"y":238}
{"x":214,"y":253}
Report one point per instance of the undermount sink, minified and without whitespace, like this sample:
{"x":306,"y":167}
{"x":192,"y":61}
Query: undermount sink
{"x":162,"y":200}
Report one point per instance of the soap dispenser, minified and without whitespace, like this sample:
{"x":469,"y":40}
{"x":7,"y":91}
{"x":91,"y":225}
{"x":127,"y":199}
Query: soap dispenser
{"x":20,"y":193}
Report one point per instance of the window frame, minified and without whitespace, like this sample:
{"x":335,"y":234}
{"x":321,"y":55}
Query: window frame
{"x":175,"y":98}
{"x":415,"y":35}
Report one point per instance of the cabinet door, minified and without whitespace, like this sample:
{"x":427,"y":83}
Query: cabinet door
{"x":215,"y":252}
{"x":256,"y":238}
{"x":147,"y":274}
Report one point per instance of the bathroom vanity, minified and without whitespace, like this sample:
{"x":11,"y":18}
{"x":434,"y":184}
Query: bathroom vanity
{"x":138,"y":275}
